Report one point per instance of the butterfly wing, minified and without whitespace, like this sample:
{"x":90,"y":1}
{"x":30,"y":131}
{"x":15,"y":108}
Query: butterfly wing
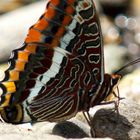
{"x":60,"y":63}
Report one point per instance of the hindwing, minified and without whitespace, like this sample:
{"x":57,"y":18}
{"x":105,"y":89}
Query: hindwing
{"x":60,"y":63}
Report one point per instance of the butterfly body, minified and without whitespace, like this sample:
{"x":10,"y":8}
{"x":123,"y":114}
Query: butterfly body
{"x":59,"y":70}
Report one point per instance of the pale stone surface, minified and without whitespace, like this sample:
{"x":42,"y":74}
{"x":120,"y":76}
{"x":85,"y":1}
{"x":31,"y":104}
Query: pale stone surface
{"x":113,"y":61}
{"x":105,"y":122}
{"x":20,"y":20}
{"x":129,"y":86}
{"x":14,"y":132}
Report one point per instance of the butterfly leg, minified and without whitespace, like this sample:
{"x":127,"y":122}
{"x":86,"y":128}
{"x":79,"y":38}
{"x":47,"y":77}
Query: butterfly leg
{"x":117,"y":95}
{"x":116,"y":104}
{"x":89,"y":121}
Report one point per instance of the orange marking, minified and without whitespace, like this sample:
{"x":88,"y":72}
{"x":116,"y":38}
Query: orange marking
{"x":50,"y":13}
{"x":41,"y":24}
{"x":69,"y":10}
{"x":14,"y":75}
{"x":31,"y":49}
{"x":55,"y":43}
{"x":67,"y":20}
{"x":70,"y":1}
{"x":7,"y":100}
{"x":33,"y":36}
{"x":20,"y":65}
{"x":10,"y":86}
{"x":55,"y":2}
{"x":60,"y":32}
{"x":23,"y":56}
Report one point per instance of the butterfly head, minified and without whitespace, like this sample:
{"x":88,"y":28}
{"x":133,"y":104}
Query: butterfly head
{"x":111,"y":83}
{"x":115,"y":78}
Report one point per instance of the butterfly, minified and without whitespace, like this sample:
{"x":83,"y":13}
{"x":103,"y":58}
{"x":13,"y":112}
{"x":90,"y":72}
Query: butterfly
{"x":59,"y":70}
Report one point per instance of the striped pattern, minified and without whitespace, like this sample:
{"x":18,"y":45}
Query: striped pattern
{"x":60,"y":66}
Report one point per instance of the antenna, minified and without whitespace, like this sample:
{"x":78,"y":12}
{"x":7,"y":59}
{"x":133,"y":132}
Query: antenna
{"x":129,"y":64}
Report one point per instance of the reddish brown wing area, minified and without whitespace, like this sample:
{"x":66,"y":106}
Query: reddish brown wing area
{"x":60,"y":65}
{"x":81,"y":67}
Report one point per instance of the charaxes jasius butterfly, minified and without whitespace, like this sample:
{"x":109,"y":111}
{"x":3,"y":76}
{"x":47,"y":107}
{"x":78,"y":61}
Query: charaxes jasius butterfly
{"x":59,"y":70}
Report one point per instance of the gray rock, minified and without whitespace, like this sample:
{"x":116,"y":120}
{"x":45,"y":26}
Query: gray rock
{"x":67,"y":129}
{"x":122,"y":126}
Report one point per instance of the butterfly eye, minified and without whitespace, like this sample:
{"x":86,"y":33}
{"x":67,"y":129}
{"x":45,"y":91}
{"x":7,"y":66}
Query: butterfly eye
{"x":115,"y":79}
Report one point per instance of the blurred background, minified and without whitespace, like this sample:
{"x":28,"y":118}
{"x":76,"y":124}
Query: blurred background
{"x":120,"y":21}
